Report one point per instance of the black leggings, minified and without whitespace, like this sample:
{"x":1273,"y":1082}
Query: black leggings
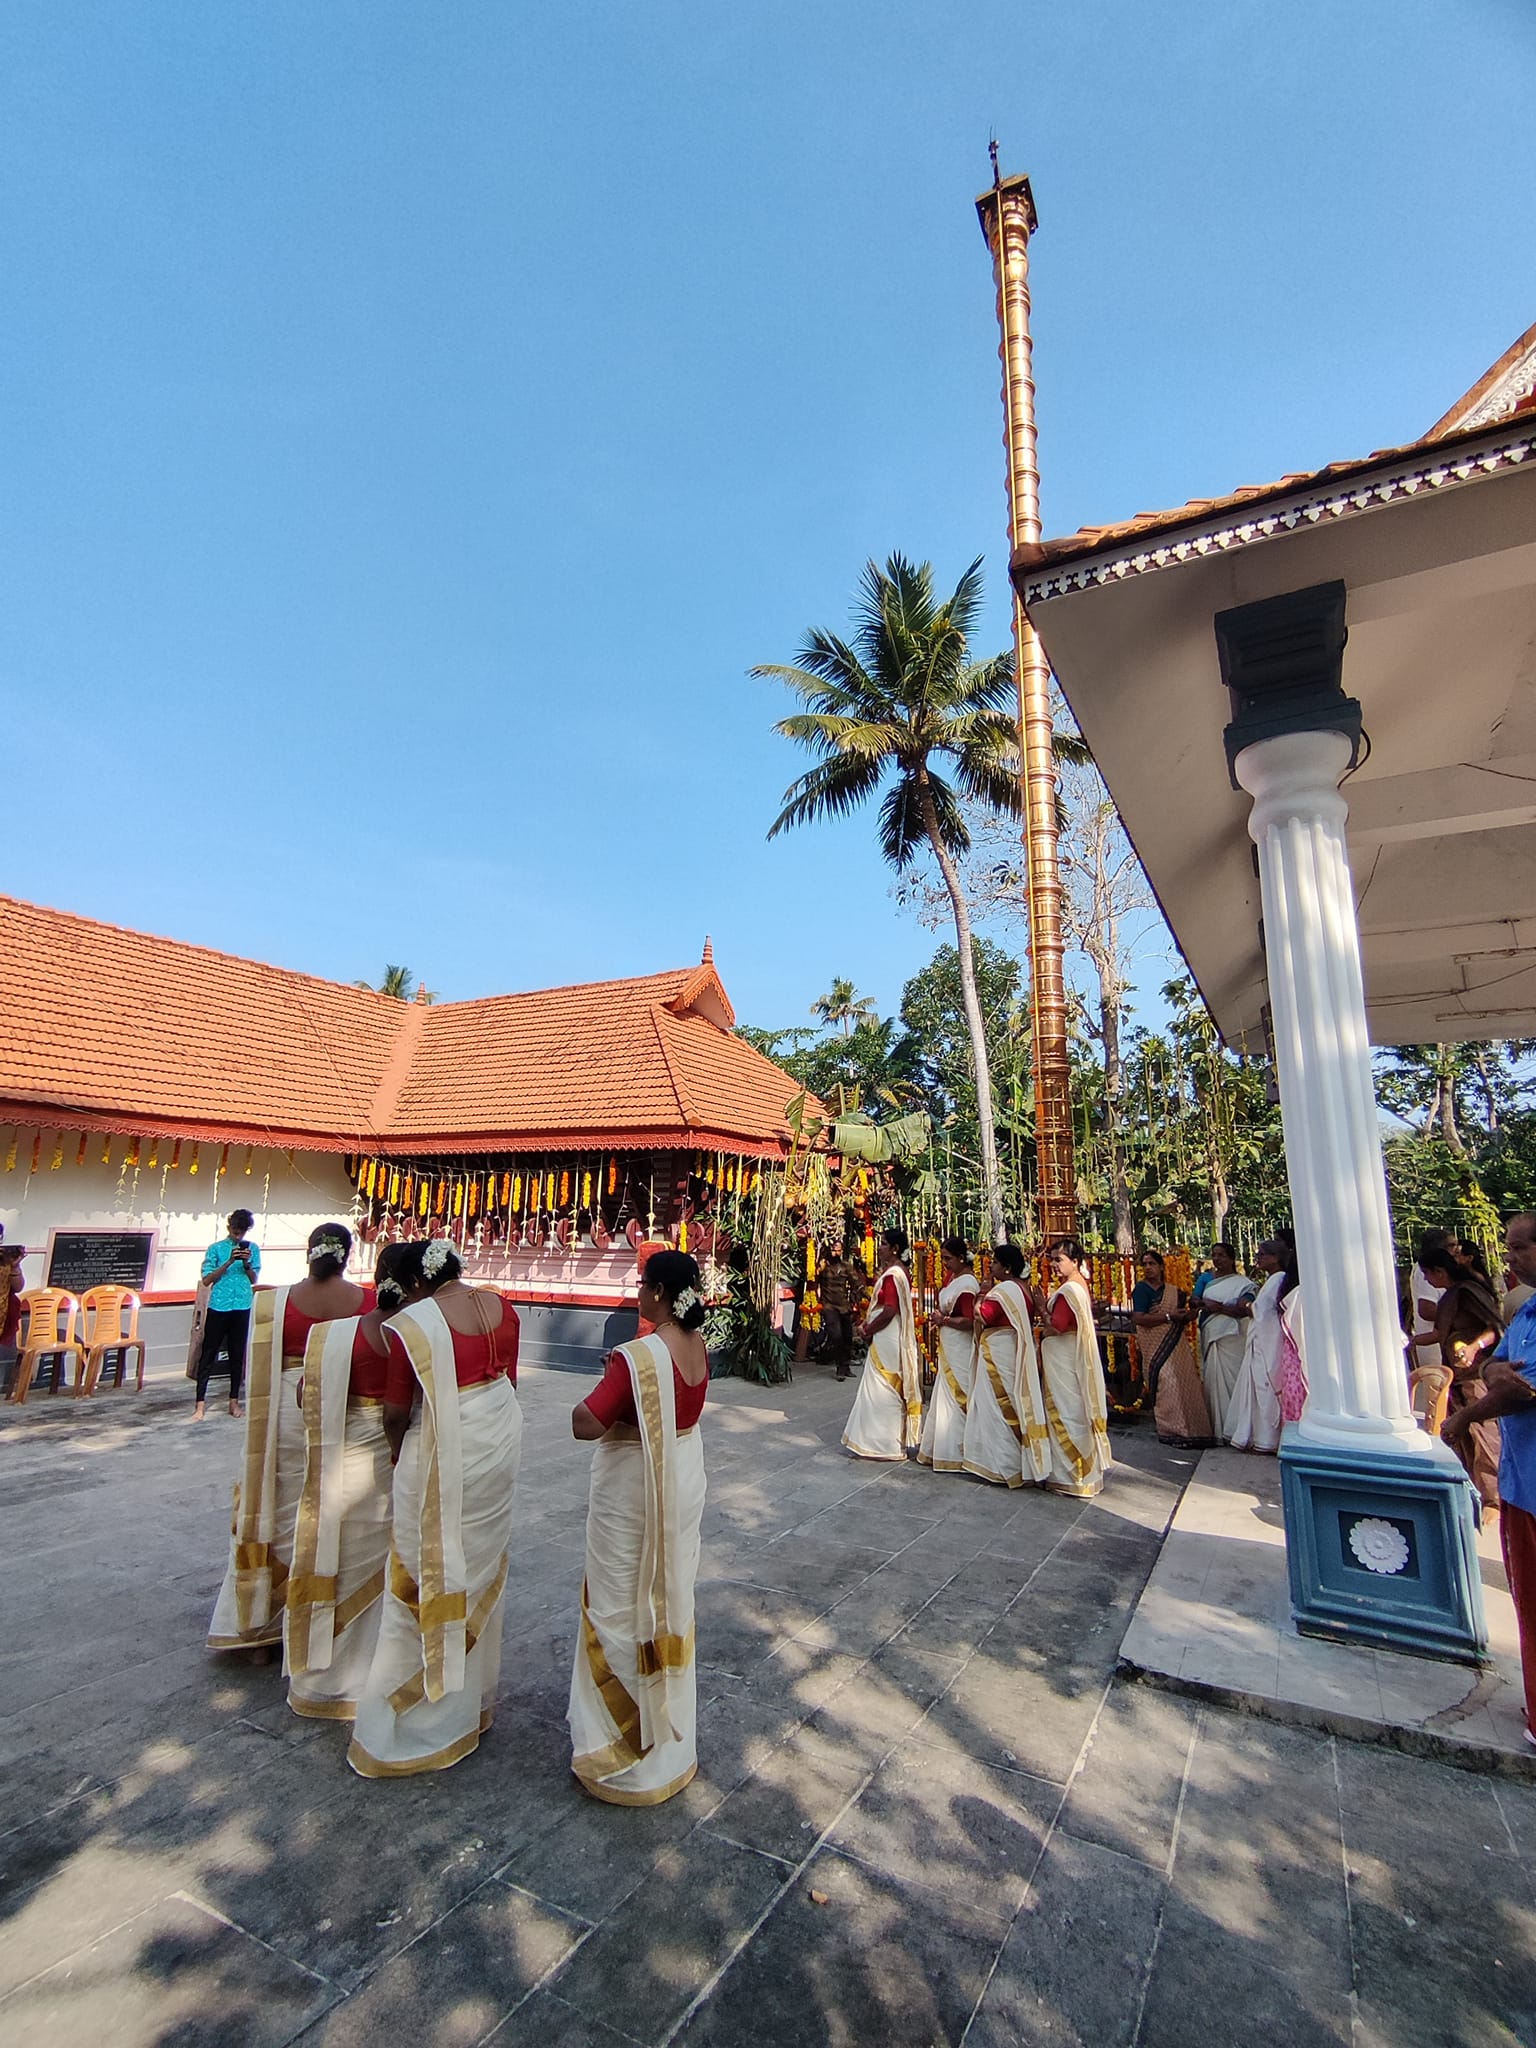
{"x":224,"y":1329}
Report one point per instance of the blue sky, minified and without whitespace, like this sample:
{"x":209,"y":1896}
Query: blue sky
{"x":416,"y":419}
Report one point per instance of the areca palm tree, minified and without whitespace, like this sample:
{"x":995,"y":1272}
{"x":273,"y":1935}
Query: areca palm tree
{"x":844,"y":1006}
{"x":901,"y":711}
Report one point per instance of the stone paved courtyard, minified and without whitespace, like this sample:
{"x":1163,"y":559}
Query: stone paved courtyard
{"x":926,"y":1812}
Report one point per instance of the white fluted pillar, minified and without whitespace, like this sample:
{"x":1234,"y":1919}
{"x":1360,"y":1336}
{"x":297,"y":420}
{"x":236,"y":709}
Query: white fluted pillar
{"x":1354,"y":1343}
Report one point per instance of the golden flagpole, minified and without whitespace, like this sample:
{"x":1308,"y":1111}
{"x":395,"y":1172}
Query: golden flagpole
{"x":1008,"y":219}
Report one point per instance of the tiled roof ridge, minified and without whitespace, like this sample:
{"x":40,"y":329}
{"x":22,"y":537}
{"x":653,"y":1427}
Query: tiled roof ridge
{"x":1088,"y":540}
{"x":397,"y":1069}
{"x":681,"y":976}
{"x":128,"y":931}
{"x":658,"y":1024}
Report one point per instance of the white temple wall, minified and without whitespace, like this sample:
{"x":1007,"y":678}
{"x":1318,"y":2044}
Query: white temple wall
{"x":287,"y":1194}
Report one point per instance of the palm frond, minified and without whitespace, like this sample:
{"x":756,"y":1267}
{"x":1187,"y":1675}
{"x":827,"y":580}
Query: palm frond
{"x":833,"y":790}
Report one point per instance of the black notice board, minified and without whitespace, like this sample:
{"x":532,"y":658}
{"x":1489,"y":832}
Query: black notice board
{"x":78,"y":1259}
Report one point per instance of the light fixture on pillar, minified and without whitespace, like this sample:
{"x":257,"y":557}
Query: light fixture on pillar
{"x":1378,"y":1515}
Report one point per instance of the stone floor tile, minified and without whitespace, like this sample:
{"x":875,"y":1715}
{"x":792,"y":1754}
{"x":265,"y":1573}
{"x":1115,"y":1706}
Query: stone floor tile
{"x":1126,"y":1796}
{"x":934,"y":1818}
{"x":1074,"y":1966}
{"x":459,"y":1978}
{"x":174,"y":1974}
{"x":586,"y":1856}
{"x":1211,"y":1988}
{"x":643,"y":1967}
{"x":790,"y":1800}
{"x":546,"y":2021}
{"x":1029,"y":1721}
{"x":877,"y":1962}
{"x":1444,"y":1934}
{"x":1462,"y":1810}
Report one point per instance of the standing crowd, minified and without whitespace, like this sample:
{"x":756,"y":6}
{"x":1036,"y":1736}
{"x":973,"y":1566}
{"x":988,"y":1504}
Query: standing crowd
{"x":375,"y":1505}
{"x":1019,"y":1397}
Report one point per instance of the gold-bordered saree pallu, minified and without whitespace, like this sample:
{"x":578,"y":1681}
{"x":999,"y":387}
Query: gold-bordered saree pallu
{"x":1005,"y":1423}
{"x":249,"y":1609}
{"x":341,"y":1546}
{"x":886,"y":1419}
{"x":943,"y":1444}
{"x":634,"y":1695}
{"x":430,"y":1693}
{"x":1075,"y":1410}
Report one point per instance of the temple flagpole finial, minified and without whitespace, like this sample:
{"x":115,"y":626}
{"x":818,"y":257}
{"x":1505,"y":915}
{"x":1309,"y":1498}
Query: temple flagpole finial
{"x":708,"y":959}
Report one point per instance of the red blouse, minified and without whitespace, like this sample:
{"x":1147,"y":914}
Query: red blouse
{"x":613,"y":1398}
{"x":1061,"y":1316}
{"x":476,"y":1357}
{"x":886,"y":1295}
{"x":368,"y":1370}
{"x":297,"y":1325}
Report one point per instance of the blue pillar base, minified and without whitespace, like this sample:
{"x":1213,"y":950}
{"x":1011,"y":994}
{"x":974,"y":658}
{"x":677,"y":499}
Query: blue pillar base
{"x":1381,"y":1549}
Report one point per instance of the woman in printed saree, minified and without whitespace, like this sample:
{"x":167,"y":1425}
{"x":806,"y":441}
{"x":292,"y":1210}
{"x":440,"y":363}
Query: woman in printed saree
{"x":1224,"y":1309}
{"x":943,"y":1444}
{"x":1253,"y":1414}
{"x":341,"y":1547}
{"x":886,"y":1420}
{"x":1076,"y":1414}
{"x":1005,"y":1419}
{"x":1162,"y":1315}
{"x":633,"y":1707}
{"x":456,"y":1431}
{"x":249,"y":1611}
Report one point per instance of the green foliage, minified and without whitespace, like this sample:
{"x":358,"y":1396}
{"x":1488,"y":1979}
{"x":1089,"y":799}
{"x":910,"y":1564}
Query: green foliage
{"x":885,"y":709}
{"x":933,"y":1018}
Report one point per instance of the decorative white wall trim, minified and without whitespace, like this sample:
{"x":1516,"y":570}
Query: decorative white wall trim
{"x":1517,"y":383}
{"x":1423,"y":472}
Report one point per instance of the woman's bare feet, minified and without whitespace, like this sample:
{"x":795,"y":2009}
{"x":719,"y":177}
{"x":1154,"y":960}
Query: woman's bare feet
{"x":199,"y":1412}
{"x":237,"y":1409}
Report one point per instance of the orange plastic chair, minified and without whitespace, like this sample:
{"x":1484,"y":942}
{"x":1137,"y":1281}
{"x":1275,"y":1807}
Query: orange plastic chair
{"x":50,"y":1314}
{"x":109,"y":1323}
{"x":1430,"y":1396}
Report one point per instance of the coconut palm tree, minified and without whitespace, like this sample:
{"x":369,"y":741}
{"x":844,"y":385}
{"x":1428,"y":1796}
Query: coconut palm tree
{"x":398,"y":982}
{"x":883,"y":711}
{"x":844,"y":1006}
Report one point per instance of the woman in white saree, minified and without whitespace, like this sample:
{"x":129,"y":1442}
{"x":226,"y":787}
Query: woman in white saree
{"x":943,"y":1444}
{"x":886,"y":1419}
{"x":431,"y":1688}
{"x":634,"y":1695}
{"x":341,"y":1547}
{"x":1005,"y":1420}
{"x":248,"y":1614}
{"x":1076,"y":1413}
{"x":1253,"y":1414}
{"x":1225,"y":1306}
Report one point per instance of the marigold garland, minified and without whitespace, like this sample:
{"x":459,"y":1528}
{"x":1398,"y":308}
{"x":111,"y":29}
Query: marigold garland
{"x":80,"y":1151}
{"x":37,"y":1151}
{"x":58,"y":1154}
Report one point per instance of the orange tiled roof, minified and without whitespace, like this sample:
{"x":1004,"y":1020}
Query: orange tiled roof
{"x":1088,"y":540}
{"x":114,"y":1029}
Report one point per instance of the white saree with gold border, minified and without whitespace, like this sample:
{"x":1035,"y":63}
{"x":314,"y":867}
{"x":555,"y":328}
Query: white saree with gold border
{"x":249,"y":1609}
{"x":886,"y":1419}
{"x":943,"y":1444}
{"x":1005,"y":1422}
{"x":431,"y":1689}
{"x":634,"y":1694}
{"x":341,"y":1546}
{"x":1076,"y":1412}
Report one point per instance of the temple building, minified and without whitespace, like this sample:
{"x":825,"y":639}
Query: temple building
{"x":149,"y":1087}
{"x":1314,"y":703}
